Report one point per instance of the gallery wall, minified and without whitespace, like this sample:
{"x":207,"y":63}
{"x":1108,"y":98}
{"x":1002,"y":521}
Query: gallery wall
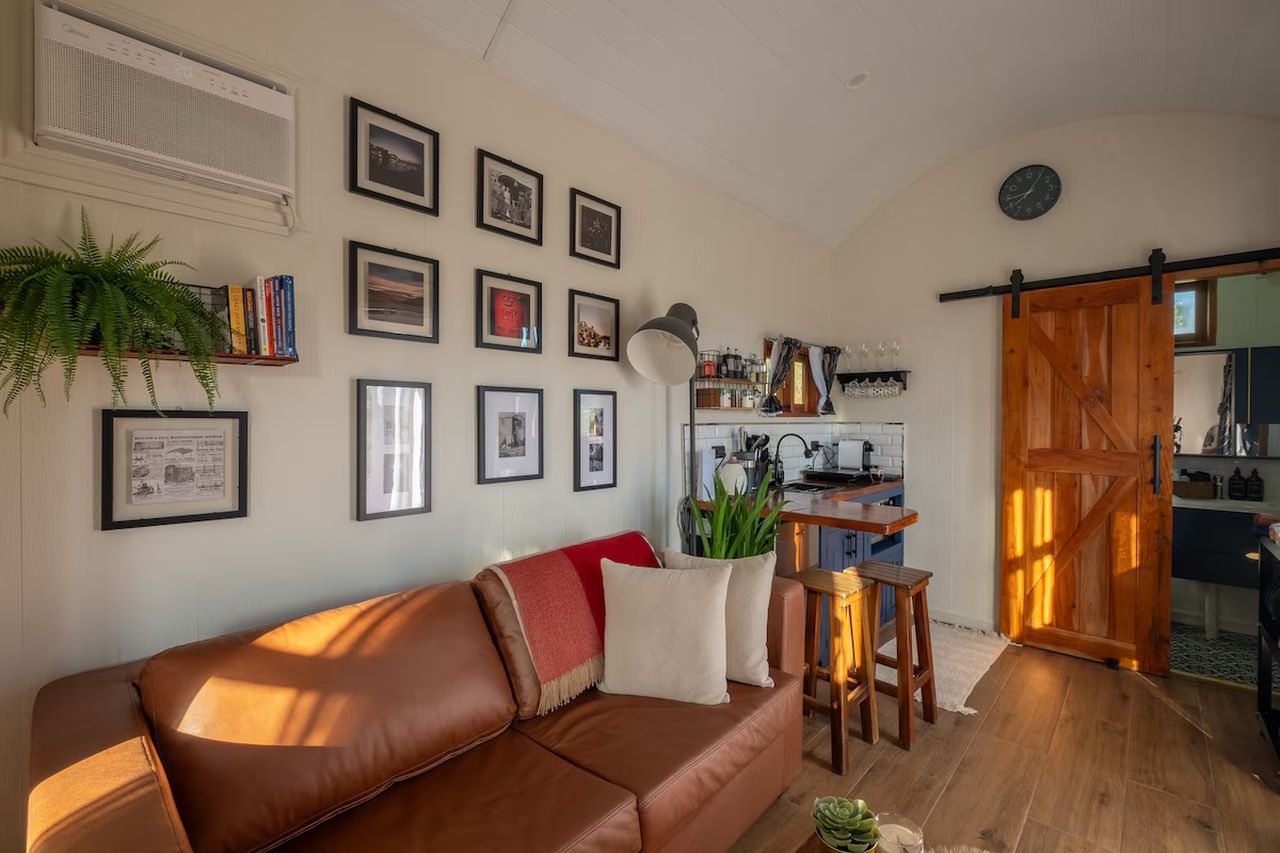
{"x":1195,"y":185}
{"x":73,"y":597}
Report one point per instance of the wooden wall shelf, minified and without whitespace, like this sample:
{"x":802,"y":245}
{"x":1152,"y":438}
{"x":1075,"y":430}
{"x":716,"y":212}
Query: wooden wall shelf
{"x":220,"y":358}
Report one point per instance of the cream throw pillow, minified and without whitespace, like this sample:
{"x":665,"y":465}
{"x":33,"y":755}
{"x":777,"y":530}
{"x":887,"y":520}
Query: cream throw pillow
{"x":664,"y":633}
{"x":746,"y":615}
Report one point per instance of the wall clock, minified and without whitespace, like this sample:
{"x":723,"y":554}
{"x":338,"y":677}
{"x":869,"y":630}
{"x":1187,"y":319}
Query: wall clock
{"x":1029,"y":192}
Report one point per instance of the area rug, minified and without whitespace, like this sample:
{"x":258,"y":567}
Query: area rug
{"x":1229,"y":657}
{"x":961,"y":656}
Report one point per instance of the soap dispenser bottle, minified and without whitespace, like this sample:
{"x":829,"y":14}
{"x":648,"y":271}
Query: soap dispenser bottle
{"x":1236,"y":486}
{"x":1253,"y":486}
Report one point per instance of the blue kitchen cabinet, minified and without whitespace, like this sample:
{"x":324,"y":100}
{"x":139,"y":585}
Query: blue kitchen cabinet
{"x":840,"y":549}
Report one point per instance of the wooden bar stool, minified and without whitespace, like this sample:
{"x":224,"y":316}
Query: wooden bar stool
{"x":911,"y":601}
{"x":851,"y":674}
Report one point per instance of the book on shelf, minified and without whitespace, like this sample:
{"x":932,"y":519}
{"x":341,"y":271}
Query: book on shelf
{"x":235,"y":303}
{"x":258,"y":320}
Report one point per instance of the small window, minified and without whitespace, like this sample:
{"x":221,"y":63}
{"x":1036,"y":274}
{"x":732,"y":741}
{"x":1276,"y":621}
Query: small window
{"x":1194,"y":314}
{"x":799,"y":394}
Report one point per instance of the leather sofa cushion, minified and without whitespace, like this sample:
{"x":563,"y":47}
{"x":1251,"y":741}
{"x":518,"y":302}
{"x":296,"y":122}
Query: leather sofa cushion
{"x":507,"y":794}
{"x":266,"y":733}
{"x":673,"y":756}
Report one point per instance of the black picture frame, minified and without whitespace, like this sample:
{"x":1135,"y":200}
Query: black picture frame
{"x":574,"y":352}
{"x":354,"y":107}
{"x":482,"y":311}
{"x":576,"y":196}
{"x":362,"y":461}
{"x":481,"y":478}
{"x":481,"y":157}
{"x":355,"y":282}
{"x":108,"y":519}
{"x":578,"y":394}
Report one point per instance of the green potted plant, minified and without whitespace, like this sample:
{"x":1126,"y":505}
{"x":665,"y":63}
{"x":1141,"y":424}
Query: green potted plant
{"x":845,"y":825}
{"x":737,"y":525}
{"x":55,"y":302}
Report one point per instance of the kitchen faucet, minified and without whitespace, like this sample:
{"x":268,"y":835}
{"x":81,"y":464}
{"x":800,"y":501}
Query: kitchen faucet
{"x":779,"y":472}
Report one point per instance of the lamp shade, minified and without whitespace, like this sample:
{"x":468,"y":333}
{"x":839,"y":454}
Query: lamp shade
{"x":665,"y":349}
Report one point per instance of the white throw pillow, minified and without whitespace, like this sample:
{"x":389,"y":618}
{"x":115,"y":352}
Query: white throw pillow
{"x":746,"y":615}
{"x":664,"y":633}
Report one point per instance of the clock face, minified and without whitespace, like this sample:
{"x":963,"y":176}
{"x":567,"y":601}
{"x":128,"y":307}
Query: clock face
{"x":1029,"y":192}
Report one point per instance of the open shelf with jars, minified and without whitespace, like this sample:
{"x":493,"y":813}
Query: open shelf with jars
{"x":729,"y":380}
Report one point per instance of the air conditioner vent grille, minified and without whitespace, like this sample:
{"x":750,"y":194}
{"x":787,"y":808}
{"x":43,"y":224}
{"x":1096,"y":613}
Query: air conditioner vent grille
{"x":95,"y":96}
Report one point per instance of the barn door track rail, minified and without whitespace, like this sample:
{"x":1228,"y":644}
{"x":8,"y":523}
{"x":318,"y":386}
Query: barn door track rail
{"x":1157,"y":266}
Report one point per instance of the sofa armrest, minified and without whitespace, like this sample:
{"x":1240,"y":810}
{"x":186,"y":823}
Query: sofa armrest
{"x":96,"y":781}
{"x":786,"y":626}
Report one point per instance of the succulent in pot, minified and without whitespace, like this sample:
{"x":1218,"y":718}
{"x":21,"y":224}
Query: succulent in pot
{"x":845,"y":825}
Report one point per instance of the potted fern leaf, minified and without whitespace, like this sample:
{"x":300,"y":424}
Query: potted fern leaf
{"x":738,"y":525}
{"x":54,"y":302}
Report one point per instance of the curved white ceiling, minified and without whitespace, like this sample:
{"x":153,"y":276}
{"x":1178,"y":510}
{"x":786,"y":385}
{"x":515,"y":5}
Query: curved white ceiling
{"x":750,"y":95}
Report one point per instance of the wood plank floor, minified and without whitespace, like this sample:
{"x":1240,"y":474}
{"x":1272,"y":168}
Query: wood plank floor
{"x":1064,"y":755}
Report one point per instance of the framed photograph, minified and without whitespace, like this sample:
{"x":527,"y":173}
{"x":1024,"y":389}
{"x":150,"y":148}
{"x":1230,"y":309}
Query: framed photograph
{"x":595,"y":229}
{"x":595,"y":440}
{"x":508,"y":198}
{"x":174,"y":467}
{"x":508,"y":312}
{"x":392,"y":294}
{"x":509,"y":434}
{"x":593,"y":326}
{"x":392,"y":158}
{"x":393,"y":448}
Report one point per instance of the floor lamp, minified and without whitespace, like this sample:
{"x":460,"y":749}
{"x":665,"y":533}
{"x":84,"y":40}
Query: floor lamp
{"x":665,"y":350}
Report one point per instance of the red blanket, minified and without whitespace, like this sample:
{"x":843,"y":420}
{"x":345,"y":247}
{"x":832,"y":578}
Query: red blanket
{"x":559,"y":600}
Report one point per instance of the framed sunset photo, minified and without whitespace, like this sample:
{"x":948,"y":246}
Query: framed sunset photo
{"x":593,"y":326}
{"x":508,"y":312}
{"x":392,"y":294}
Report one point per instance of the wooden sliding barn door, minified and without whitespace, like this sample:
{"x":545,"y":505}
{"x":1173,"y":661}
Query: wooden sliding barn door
{"x":1087,"y":462}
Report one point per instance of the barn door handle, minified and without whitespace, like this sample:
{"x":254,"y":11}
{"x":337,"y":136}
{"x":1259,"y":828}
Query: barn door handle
{"x":1155,"y":464}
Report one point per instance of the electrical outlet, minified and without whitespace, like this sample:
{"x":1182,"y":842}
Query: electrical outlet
{"x":815,"y":445}
{"x":719,"y":449}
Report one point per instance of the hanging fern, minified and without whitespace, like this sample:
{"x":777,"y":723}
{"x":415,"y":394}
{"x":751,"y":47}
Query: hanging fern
{"x":54,"y":302}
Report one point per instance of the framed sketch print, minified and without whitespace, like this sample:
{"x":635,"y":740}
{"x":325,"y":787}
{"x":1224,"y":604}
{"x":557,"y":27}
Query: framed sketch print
{"x":392,"y":294}
{"x":593,"y":326}
{"x":174,"y":467}
{"x":595,"y":440}
{"x":595,"y":229}
{"x":393,"y":448}
{"x":508,"y":198}
{"x":392,"y":158}
{"x":509,"y":434}
{"x":508,"y":312}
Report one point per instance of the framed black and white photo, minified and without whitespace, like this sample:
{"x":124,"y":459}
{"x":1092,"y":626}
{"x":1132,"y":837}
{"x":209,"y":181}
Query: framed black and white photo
{"x":392,"y":158}
{"x":393,"y":448}
{"x":509,"y":434}
{"x":508,"y":198}
{"x":593,"y":326}
{"x":595,"y":440}
{"x":392,"y":294}
{"x":508,"y":312}
{"x":173,"y":467}
{"x":595,"y":229}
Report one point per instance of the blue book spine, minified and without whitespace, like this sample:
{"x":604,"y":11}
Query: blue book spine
{"x":278,"y":315}
{"x":291,"y":334}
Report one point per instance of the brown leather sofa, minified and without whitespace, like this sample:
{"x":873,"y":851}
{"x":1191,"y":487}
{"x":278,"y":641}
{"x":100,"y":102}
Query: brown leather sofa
{"x":391,"y":725}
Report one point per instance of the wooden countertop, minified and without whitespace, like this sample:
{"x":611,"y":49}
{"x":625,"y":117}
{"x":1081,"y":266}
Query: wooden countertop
{"x":835,"y":509}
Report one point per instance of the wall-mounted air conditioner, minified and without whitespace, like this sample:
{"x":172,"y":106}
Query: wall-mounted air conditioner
{"x":111,"y":93}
